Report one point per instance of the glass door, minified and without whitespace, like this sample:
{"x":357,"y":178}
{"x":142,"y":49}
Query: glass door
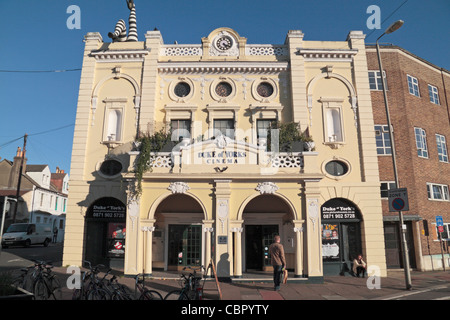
{"x":185,"y":243}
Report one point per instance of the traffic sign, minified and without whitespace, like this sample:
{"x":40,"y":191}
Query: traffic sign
{"x":439,"y":221}
{"x":398,"y":199}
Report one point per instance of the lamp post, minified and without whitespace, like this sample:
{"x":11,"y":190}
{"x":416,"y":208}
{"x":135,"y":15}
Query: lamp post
{"x":393,"y":27}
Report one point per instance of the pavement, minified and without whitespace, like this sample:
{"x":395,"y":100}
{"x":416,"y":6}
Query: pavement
{"x":259,"y":287}
{"x":392,"y":287}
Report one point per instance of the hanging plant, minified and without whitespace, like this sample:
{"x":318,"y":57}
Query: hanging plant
{"x":148,"y":144}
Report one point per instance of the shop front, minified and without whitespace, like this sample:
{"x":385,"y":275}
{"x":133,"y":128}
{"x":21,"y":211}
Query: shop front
{"x":341,"y":236}
{"x":106,"y":232}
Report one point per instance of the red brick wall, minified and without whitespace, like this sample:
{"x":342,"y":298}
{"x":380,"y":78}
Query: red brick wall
{"x":408,"y":111}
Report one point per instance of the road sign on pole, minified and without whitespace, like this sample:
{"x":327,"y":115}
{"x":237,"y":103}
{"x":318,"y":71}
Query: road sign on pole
{"x":398,"y":199}
{"x":440,"y":225}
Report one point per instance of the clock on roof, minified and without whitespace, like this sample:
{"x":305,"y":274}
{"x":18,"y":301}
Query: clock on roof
{"x":224,"y":43}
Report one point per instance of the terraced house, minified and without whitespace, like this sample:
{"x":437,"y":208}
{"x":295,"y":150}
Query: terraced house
{"x":187,"y":153}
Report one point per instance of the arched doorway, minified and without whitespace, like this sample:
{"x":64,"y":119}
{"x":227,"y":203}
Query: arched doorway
{"x":341,"y":236}
{"x":105,"y":233}
{"x":178,"y":237}
{"x":264,"y":217}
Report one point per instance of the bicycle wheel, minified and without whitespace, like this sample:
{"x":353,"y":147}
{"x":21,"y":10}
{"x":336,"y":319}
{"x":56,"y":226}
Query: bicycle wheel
{"x":40,"y":290}
{"x":77,"y":294}
{"x":98,"y":294}
{"x":176,"y":295}
{"x":55,"y":286}
{"x":151,"y":295}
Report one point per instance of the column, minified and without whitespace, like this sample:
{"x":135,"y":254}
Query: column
{"x":298,"y":229}
{"x":207,"y":230}
{"x":132,"y":245}
{"x":147,"y":239}
{"x":238,"y":251}
{"x":223,"y":252}
{"x":313,"y":227}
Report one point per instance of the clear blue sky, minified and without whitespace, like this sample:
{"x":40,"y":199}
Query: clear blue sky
{"x":35,"y":37}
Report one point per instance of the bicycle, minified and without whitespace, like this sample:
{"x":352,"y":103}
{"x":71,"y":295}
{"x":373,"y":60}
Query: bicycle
{"x":92,"y":288}
{"x":146,"y":294}
{"x":46,"y":283}
{"x":191,"y":288}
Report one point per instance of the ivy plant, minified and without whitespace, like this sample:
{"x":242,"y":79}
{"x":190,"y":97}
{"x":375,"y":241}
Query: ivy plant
{"x":148,"y":143}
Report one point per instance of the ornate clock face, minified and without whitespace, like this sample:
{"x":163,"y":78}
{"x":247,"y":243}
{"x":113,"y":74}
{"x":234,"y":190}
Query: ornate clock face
{"x":224,"y":43}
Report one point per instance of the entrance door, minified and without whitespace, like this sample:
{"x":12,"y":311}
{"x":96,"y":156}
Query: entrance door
{"x":185,"y":243}
{"x":257,"y":241}
{"x":392,"y":240}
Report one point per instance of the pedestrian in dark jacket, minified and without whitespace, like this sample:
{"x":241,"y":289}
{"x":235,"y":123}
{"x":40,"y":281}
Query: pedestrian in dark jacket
{"x":278,"y":260}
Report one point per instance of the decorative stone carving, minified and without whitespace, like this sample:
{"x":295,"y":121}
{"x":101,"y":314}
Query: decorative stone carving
{"x":178,"y":187}
{"x":313,"y":211}
{"x":267,"y":187}
{"x":222,"y":141}
{"x":222,"y":211}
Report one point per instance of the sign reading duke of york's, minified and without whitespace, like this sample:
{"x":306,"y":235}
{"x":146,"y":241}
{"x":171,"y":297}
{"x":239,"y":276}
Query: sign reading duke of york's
{"x":398,"y":199}
{"x":221,"y":151}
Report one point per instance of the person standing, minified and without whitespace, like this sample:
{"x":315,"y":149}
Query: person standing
{"x":278,"y":260}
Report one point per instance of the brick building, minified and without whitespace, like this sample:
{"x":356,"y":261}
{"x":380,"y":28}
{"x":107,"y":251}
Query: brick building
{"x":418,"y":104}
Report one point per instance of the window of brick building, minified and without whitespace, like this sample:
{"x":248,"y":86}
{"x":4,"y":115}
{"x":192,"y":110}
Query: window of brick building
{"x":421,"y":142}
{"x":385,"y":187}
{"x":437,"y":192}
{"x":382,"y":139}
{"x":434,"y":95}
{"x":375,"y":80}
{"x":413,"y":86}
{"x":442,"y":148}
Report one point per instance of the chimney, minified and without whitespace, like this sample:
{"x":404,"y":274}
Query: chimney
{"x":14,"y":174}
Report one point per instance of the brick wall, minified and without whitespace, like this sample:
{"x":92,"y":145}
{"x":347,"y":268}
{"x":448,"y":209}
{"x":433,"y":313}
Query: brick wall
{"x":408,"y":111}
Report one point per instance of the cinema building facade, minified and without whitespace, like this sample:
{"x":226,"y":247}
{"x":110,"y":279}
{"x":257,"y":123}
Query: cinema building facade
{"x":225,"y":187}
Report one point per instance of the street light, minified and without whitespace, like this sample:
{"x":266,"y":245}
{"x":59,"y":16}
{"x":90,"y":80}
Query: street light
{"x":393,"y":27}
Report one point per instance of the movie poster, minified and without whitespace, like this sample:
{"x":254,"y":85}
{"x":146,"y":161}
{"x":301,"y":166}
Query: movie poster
{"x":330,"y":242}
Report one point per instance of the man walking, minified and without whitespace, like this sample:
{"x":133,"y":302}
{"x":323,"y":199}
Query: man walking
{"x":278,"y":260}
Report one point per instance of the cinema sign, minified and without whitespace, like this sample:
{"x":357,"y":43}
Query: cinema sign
{"x":221,"y":151}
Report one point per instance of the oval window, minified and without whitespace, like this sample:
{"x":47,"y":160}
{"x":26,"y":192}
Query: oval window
{"x":111,"y":167}
{"x":336,"y":168}
{"x":224,"y":89}
{"x":265,"y":89}
{"x":182,"y":89}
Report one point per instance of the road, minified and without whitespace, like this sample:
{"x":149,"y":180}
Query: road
{"x":19,"y":257}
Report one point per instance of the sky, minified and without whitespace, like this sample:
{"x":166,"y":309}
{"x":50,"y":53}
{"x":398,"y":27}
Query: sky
{"x":36,"y":37}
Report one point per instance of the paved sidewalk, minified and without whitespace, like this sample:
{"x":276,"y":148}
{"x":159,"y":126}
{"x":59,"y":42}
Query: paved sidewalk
{"x":333,"y":287}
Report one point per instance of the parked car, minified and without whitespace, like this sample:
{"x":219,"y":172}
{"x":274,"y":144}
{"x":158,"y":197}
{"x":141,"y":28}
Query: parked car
{"x":26,"y":234}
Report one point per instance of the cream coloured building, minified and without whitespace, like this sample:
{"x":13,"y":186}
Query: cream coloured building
{"x":219,"y":194}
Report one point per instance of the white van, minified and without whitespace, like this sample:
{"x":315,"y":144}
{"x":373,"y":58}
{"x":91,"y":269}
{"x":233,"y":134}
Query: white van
{"x":26,"y":234}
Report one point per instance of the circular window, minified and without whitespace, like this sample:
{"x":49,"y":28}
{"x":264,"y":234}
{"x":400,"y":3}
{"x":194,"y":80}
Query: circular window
{"x":111,"y":167}
{"x":336,"y":168}
{"x":265,"y":89}
{"x":182,"y":89}
{"x":224,"y":89}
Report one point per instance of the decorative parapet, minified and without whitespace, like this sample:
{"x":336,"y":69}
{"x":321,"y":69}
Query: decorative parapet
{"x":187,"y":50}
{"x":266,"y":50}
